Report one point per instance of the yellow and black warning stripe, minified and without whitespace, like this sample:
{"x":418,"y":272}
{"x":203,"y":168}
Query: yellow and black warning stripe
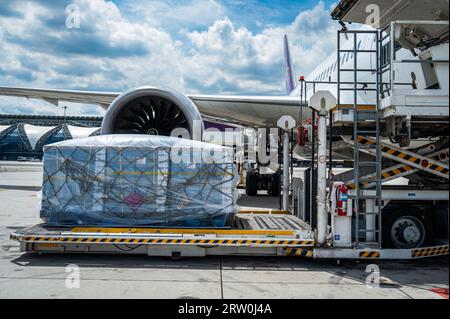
{"x":429,"y":251}
{"x":365,"y":141}
{"x":395,"y":171}
{"x":400,"y":169}
{"x":418,"y":161}
{"x":369,"y":254}
{"x":109,"y":240}
{"x":299,"y":252}
{"x":385,"y":174}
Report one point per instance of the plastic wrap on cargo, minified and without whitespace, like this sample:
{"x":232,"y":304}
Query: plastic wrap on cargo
{"x":139,"y":180}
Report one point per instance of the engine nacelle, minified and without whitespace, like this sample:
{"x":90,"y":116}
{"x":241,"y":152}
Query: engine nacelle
{"x":152,"y":111}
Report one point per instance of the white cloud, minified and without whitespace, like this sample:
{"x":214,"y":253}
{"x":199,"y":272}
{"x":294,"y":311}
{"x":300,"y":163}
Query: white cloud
{"x":235,"y":60}
{"x":115,"y":50}
{"x":176,"y":15}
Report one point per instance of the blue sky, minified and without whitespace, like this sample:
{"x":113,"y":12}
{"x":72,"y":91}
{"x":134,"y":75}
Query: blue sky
{"x":196,"y":46}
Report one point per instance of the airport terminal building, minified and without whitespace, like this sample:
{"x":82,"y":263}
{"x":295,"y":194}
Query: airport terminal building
{"x":24,"y":136}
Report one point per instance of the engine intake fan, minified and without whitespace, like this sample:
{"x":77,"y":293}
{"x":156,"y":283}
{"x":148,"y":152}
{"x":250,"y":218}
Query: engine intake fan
{"x":152,"y":111}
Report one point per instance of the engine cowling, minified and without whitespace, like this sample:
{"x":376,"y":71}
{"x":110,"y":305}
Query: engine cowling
{"x":152,"y":111}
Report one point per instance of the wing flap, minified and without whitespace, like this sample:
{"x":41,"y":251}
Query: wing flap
{"x":248,"y":110}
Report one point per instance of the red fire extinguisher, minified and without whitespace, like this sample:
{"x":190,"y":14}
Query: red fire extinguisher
{"x":342,"y":200}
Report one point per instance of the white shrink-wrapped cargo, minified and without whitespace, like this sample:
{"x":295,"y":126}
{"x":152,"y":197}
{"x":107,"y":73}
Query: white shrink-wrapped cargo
{"x":139,"y":180}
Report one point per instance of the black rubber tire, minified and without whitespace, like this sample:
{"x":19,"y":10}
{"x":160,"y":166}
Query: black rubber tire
{"x":274,"y":187}
{"x":251,"y":183}
{"x":393,"y":213}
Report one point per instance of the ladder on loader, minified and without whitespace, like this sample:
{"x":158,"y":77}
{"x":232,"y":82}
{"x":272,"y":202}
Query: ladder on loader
{"x":371,"y":213}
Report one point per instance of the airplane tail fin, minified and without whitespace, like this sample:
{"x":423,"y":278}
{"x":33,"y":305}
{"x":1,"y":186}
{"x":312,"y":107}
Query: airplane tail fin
{"x":289,"y":67}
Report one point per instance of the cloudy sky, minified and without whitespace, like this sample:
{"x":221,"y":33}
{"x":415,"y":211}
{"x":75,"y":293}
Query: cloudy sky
{"x":196,"y":46}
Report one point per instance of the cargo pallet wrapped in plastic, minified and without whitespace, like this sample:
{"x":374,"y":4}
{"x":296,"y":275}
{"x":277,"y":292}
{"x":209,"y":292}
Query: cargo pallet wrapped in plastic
{"x":138,"y":180}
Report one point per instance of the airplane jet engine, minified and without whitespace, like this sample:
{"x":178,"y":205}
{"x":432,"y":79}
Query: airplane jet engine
{"x":152,"y":111}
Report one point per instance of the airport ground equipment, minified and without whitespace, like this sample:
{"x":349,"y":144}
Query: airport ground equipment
{"x":402,"y":125}
{"x":286,"y":123}
{"x":323,"y":102}
{"x":263,"y":172}
{"x":256,"y":233}
{"x":258,"y":178}
{"x":372,"y":213}
{"x":403,"y":132}
{"x":298,"y":198}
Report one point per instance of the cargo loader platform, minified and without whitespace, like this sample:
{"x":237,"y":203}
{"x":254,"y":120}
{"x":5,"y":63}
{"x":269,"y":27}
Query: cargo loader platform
{"x":256,"y":233}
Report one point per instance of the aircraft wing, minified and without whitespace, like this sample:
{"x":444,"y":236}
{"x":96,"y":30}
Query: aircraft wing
{"x":248,"y":110}
{"x":245,"y":110}
{"x":54,"y":96}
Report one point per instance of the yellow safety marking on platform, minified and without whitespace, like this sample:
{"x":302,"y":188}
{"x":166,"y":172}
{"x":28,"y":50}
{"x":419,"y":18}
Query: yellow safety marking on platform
{"x":181,"y":231}
{"x":429,"y":251}
{"x":299,"y":252}
{"x":369,"y":254}
{"x":91,"y":240}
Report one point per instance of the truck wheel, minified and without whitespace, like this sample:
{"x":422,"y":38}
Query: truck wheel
{"x":274,"y":186}
{"x":405,"y":227}
{"x":251,"y":183}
